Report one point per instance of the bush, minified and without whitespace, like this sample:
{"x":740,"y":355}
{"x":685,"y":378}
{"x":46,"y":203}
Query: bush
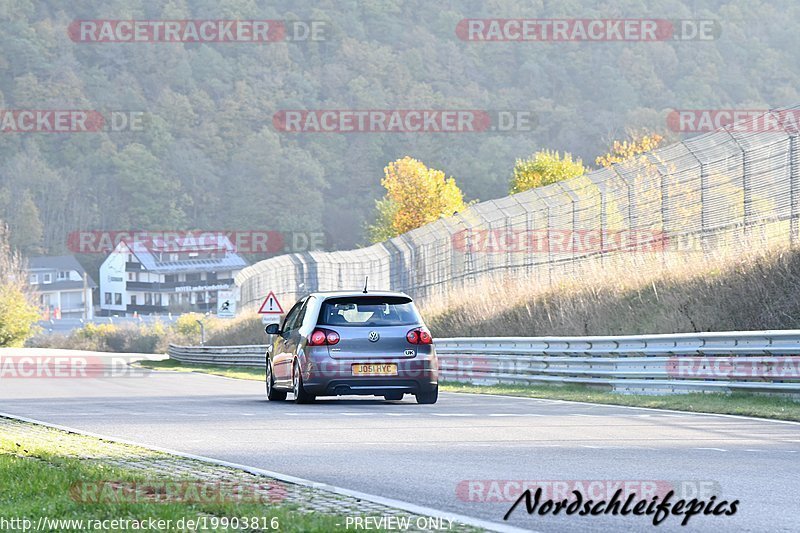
{"x":246,"y":329}
{"x":543,"y":168}
{"x":156,"y":337}
{"x":18,"y":316}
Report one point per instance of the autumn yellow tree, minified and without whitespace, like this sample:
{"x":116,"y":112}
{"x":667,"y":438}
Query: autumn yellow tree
{"x":18,"y":310}
{"x":543,"y":168}
{"x":415,"y":195}
{"x":638,"y":143}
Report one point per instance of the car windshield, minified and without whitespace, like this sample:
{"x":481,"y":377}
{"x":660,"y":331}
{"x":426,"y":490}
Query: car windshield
{"x":368,"y":311}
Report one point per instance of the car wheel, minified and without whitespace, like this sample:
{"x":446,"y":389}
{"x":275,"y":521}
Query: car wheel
{"x":300,"y":394}
{"x":273,"y":394}
{"x":393,"y":397}
{"x":429,"y":396}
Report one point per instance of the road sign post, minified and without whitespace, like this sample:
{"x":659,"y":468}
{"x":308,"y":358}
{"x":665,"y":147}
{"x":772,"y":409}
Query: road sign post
{"x":226,"y":304}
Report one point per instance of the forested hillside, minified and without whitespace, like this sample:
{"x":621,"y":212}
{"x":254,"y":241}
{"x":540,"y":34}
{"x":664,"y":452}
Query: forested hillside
{"x":208,"y":155}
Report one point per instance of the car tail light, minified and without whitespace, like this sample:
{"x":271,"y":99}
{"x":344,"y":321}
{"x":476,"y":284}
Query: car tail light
{"x":332,"y":337}
{"x":321,"y":337}
{"x":419,"y":336}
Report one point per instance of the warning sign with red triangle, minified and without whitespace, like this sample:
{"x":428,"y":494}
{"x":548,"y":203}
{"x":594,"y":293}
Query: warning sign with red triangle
{"x":271,"y":305}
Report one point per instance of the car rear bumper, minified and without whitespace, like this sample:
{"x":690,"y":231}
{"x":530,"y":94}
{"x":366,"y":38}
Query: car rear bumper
{"x":335,"y":378}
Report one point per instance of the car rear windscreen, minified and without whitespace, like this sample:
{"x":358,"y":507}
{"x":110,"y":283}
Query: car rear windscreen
{"x":368,"y":311}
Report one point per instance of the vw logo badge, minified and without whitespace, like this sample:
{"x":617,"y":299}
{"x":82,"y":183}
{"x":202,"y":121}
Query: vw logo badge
{"x":373,"y":336}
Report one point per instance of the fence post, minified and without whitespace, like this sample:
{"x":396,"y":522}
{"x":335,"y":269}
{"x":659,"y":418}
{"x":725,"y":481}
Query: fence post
{"x":793,"y":193}
{"x":745,"y":186}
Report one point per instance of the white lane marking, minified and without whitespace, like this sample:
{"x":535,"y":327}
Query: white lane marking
{"x":757,"y":451}
{"x":452,"y":414}
{"x":515,"y":414}
{"x":713,"y":449}
{"x":389,"y":502}
{"x":650,"y":409}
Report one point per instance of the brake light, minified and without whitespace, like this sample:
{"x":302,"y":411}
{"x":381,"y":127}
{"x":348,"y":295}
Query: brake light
{"x":321,"y":337}
{"x":419,"y":336}
{"x":332,"y":337}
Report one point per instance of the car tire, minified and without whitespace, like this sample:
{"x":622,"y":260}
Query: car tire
{"x":273,"y":394}
{"x":393,"y":397}
{"x":429,"y":396}
{"x":300,"y":394}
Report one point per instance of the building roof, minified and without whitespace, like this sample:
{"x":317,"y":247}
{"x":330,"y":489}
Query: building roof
{"x":152,"y":255}
{"x":59,"y":263}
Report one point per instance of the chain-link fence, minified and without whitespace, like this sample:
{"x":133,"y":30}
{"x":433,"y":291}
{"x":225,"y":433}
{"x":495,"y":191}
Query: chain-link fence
{"x":725,"y":189}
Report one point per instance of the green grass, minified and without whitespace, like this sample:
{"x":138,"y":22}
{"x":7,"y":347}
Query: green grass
{"x":228,"y":372}
{"x":36,"y":480}
{"x":729,"y":404}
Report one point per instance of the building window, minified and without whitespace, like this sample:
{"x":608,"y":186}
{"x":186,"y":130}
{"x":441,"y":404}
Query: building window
{"x":107,"y":297}
{"x":193,"y":277}
{"x":211,"y":276}
{"x":170,"y":278}
{"x":48,"y":277}
{"x":33,"y":279}
{"x":158,"y":298}
{"x":133,"y":299}
{"x":148,"y":298}
{"x":117,"y":298}
{"x":62,"y":275}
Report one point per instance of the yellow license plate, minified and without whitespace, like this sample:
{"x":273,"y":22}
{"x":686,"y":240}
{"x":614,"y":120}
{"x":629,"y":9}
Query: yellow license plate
{"x":374,"y":369}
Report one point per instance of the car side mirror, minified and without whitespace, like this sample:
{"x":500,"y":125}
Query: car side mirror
{"x":273,"y":329}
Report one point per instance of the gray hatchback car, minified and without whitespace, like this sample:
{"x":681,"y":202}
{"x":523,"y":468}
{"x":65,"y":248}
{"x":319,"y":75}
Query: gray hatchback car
{"x":340,"y":343}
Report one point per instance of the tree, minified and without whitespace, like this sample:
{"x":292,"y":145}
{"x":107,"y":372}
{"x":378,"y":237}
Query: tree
{"x":415,"y":195}
{"x":543,"y":168}
{"x":18,"y":312}
{"x":638,"y":143}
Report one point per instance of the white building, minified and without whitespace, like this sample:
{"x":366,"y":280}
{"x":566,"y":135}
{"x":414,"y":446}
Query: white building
{"x":156,"y":277}
{"x":63,"y":286}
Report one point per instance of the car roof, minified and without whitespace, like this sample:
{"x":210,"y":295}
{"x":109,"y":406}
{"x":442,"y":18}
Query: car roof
{"x":347,"y":294}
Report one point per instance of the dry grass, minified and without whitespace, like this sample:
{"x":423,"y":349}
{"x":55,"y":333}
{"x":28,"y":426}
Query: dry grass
{"x":156,"y":337}
{"x":244,"y":329}
{"x":632,"y":294}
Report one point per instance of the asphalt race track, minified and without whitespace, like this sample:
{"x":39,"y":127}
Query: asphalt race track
{"x":427,"y":455}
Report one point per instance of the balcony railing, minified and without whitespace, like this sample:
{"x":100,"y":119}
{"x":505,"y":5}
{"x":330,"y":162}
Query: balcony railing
{"x":187,"y":286}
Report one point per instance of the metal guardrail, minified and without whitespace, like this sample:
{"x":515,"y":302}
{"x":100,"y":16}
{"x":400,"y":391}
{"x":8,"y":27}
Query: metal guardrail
{"x":755,"y":361}
{"x":249,"y":355}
